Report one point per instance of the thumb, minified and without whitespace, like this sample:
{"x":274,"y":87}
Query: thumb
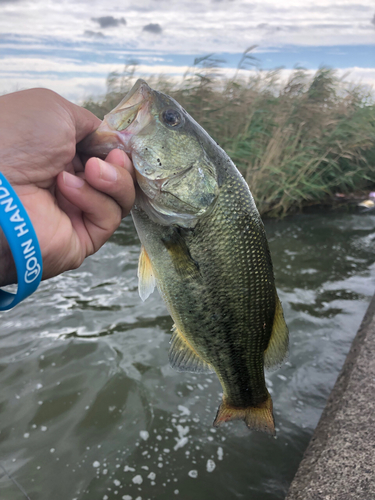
{"x":85,"y":121}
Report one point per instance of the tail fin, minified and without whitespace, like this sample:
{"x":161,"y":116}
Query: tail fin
{"x":259,"y":418}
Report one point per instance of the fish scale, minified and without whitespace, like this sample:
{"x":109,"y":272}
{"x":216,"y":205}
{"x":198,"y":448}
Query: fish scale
{"x":233,"y":345}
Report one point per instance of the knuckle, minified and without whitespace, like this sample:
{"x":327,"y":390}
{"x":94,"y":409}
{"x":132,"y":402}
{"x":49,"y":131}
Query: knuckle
{"x":112,"y":223}
{"x":116,"y":220}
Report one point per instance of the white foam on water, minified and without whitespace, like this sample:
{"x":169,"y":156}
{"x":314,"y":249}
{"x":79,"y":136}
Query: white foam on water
{"x":144,"y":435}
{"x":182,"y":431}
{"x":211,"y":466}
{"x":183,"y":410}
{"x":138,"y":479}
{"x":180,"y":443}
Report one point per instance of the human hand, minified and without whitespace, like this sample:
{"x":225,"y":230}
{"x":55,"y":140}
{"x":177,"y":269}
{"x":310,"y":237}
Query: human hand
{"x":73,"y":212}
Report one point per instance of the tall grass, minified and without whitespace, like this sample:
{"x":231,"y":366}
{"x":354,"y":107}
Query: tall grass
{"x":296,"y":142}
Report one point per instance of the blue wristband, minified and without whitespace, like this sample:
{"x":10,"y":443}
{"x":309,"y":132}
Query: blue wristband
{"x":23,"y":243}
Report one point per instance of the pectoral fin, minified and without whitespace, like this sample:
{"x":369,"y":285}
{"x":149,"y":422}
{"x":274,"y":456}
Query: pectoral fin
{"x":277,"y":348}
{"x":182,"y":356}
{"x":179,"y":252}
{"x":146,"y":277}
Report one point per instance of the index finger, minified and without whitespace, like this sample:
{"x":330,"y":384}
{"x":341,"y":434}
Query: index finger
{"x":114,"y":177}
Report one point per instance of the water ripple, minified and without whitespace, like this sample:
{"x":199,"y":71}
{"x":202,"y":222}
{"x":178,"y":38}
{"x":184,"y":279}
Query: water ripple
{"x":89,"y":406}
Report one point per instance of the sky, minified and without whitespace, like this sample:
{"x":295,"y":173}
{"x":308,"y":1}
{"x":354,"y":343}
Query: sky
{"x":70,"y":46}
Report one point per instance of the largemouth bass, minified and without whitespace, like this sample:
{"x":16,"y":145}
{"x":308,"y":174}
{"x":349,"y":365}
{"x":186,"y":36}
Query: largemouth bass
{"x":204,"y":247}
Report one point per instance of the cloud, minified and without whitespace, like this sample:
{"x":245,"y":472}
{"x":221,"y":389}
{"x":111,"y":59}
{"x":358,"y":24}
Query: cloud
{"x":373,"y":20}
{"x":109,"y":21}
{"x":76,"y":81}
{"x":153,"y":28}
{"x":191,"y":27}
{"x":94,"y":34}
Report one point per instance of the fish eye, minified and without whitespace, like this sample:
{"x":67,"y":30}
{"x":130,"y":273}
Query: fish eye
{"x":171,"y":117}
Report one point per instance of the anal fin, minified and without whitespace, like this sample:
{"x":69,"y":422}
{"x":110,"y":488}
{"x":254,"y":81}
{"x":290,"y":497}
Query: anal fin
{"x":182,"y":356}
{"x":258,"y":418}
{"x":277,"y":348}
{"x":146,"y":277}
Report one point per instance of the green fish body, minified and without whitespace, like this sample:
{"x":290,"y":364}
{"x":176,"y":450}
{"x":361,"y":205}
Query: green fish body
{"x":204,"y":246}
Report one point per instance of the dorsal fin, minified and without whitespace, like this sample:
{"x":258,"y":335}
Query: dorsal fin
{"x":277,"y":348}
{"x":183,"y":357}
{"x":146,"y":277}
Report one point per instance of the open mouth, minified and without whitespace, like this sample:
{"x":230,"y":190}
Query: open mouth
{"x":129,"y":117}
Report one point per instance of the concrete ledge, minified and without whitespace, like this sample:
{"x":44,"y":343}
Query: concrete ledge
{"x":339,"y":463}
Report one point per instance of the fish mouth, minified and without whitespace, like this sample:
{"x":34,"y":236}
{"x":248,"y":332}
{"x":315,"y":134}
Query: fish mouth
{"x":127,"y":119}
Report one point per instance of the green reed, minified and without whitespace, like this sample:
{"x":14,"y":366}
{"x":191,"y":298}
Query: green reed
{"x":296,"y":142}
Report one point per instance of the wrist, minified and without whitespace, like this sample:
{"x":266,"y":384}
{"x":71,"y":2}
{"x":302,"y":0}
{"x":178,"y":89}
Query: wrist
{"x":8,"y":272}
{"x":23,"y":244}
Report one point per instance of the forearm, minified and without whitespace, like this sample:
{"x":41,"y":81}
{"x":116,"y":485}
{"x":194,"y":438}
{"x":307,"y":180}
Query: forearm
{"x":8,"y":273}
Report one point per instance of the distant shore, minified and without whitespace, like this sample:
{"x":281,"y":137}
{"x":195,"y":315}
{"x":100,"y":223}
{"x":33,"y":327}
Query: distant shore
{"x":338,"y":202}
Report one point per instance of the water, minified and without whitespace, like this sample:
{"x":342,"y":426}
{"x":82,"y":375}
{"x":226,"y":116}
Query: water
{"x":90,"y":409}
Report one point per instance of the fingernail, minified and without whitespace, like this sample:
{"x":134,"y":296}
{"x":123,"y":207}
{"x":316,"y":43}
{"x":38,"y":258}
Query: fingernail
{"x":72,"y":180}
{"x":107,"y":171}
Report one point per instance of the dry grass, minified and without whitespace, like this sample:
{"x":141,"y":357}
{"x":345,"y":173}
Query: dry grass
{"x":295,"y":142}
